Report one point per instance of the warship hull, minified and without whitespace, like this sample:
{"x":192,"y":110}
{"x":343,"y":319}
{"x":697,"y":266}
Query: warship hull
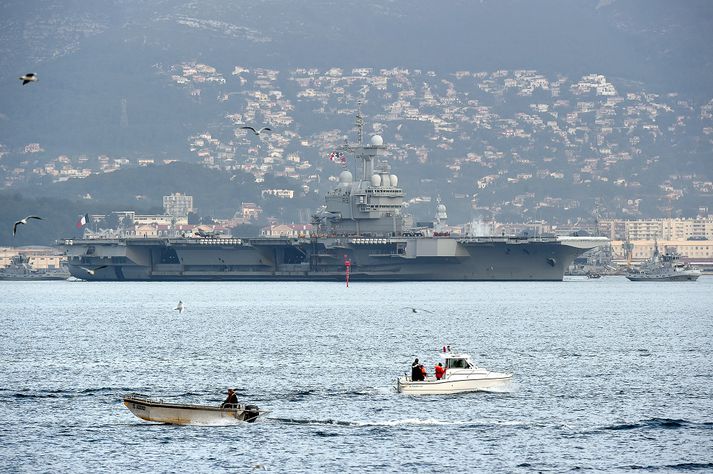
{"x":325,"y":258}
{"x":38,"y":277}
{"x":677,"y":276}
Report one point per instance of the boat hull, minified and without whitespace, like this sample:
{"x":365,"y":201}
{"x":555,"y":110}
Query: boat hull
{"x":179,"y":414}
{"x":323,"y":259}
{"x":35,"y":278}
{"x":678,"y":276}
{"x":431,"y":386}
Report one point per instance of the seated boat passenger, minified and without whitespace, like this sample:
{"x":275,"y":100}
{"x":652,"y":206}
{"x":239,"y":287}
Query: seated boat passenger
{"x":231,"y":401}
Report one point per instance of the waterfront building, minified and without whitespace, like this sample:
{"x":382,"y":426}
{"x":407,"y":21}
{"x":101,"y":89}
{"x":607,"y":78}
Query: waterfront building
{"x":662,"y":229}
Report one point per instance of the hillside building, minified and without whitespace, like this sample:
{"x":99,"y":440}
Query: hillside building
{"x":178,"y":205}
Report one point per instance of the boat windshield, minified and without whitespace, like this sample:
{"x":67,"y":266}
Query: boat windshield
{"x":457,"y":364}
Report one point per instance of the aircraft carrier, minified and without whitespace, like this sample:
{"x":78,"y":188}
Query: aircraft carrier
{"x":360,"y":231}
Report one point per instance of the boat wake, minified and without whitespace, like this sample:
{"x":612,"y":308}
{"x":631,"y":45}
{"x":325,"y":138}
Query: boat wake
{"x":305,"y":394}
{"x":396,"y":423}
{"x":39,"y":394}
{"x":382,"y":391}
{"x":656,"y":423}
{"x":221,"y":422}
{"x":686,"y":466}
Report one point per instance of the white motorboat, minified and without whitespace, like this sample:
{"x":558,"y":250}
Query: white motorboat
{"x":461,"y":375}
{"x":181,"y":414}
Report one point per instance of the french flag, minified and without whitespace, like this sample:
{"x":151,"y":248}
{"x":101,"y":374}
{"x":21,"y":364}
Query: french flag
{"x":83,"y":221}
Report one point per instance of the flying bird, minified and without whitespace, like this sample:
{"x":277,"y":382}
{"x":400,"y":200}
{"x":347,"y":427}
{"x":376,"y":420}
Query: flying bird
{"x":179,"y":307}
{"x":257,"y":132}
{"x":29,"y":77}
{"x":22,"y":221}
{"x":92,"y":271}
{"x":416,"y":310}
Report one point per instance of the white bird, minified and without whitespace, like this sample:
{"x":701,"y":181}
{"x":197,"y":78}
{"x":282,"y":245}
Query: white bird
{"x":179,"y":307}
{"x":416,"y":310}
{"x":257,"y":132}
{"x":22,"y":221}
{"x":29,"y":77}
{"x":92,"y":271}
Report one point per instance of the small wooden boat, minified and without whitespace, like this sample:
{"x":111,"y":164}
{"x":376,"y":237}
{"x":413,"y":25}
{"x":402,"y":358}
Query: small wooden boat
{"x":181,"y":414}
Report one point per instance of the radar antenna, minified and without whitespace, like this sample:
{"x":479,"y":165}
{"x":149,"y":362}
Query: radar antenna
{"x":360,"y":124}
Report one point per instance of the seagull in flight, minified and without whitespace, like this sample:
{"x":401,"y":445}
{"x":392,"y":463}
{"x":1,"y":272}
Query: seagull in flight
{"x":179,"y":307}
{"x":416,"y":310}
{"x":22,"y":221}
{"x":257,"y":132}
{"x":92,"y":271}
{"x":29,"y":77}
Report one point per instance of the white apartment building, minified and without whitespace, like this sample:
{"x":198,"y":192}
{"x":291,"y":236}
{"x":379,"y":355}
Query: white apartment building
{"x":178,"y":205}
{"x":662,"y":229}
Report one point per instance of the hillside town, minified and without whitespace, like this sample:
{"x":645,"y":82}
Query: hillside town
{"x":505,"y":145}
{"x":510,"y":152}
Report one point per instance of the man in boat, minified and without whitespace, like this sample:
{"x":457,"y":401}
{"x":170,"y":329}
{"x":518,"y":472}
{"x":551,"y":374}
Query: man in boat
{"x":416,"y":374}
{"x":231,"y":401}
{"x":440,"y":371}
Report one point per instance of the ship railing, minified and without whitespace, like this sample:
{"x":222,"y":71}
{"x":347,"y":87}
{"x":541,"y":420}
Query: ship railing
{"x":366,"y":241}
{"x":506,"y":238}
{"x":142,"y":397}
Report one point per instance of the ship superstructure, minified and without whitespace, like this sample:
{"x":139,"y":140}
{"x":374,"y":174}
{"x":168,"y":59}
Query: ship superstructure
{"x":371,"y":204}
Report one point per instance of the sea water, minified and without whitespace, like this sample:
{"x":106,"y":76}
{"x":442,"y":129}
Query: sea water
{"x":608,"y":375}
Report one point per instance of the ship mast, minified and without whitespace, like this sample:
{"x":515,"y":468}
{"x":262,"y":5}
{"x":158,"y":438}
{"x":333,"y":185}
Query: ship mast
{"x":367,"y":161}
{"x":360,"y":124}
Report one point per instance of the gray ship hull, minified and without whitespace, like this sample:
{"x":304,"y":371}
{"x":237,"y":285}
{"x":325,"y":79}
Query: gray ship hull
{"x":324,"y":259}
{"x":35,"y":278}
{"x":678,"y":276}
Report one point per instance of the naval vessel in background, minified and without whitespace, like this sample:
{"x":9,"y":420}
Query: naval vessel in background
{"x":666,"y":267}
{"x":20,"y":269}
{"x":361,"y":232}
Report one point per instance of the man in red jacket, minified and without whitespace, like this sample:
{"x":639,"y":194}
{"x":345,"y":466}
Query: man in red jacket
{"x":440,"y":371}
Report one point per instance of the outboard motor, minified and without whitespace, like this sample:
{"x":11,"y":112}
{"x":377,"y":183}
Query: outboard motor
{"x":251,"y":413}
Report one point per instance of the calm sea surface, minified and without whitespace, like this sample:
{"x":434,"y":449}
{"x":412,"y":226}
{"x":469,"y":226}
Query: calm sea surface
{"x":609,"y":375}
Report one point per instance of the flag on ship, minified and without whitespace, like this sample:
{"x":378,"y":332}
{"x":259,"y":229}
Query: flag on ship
{"x":82,"y":221}
{"x":337,"y":157}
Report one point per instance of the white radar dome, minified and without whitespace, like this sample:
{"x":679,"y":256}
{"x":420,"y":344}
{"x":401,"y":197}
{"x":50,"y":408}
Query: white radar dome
{"x":394,"y":180}
{"x":385,"y":181}
{"x":376,"y":140}
{"x":345,"y":177}
{"x":375,"y":180}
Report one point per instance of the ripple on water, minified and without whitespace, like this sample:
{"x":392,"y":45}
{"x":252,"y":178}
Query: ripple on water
{"x":607,"y":376}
